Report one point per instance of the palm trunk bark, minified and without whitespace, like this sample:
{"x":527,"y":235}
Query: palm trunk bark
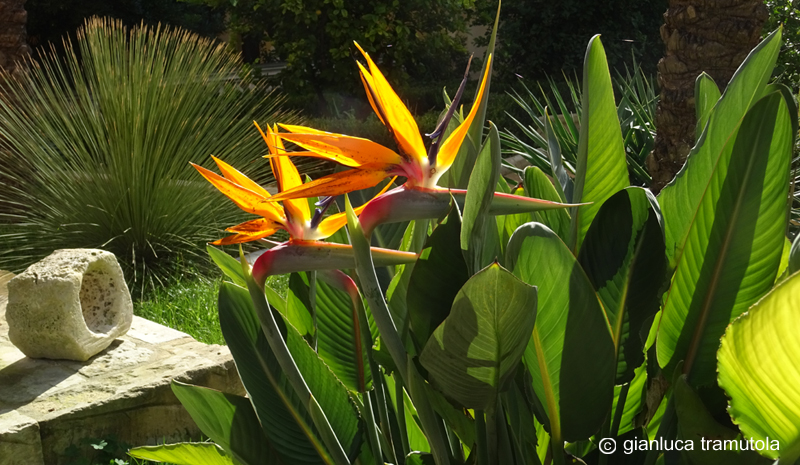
{"x":713,"y":36}
{"x":13,"y":45}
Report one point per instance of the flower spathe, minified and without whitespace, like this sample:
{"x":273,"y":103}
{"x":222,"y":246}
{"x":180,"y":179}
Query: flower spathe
{"x":293,"y":216}
{"x":372,"y":162}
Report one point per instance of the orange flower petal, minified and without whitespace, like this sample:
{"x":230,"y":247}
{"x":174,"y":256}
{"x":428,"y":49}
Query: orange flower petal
{"x":398,"y":117}
{"x":232,"y":174}
{"x":286,"y":174}
{"x":256,"y":226}
{"x":369,"y":87}
{"x":338,"y":183}
{"x":241,"y":238}
{"x":346,"y":150}
{"x":449,"y":150}
{"x":245,"y":199}
{"x":331,"y":224}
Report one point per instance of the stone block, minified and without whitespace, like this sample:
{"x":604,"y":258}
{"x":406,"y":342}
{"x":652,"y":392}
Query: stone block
{"x":71,"y":305}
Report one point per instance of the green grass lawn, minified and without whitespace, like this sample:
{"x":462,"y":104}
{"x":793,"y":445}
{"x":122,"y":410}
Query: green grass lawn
{"x":190,"y":305}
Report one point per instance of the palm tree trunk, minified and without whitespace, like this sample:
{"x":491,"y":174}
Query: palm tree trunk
{"x":713,"y":36}
{"x":13,"y":45}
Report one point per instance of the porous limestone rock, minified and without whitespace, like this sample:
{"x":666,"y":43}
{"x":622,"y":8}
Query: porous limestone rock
{"x":71,"y":305}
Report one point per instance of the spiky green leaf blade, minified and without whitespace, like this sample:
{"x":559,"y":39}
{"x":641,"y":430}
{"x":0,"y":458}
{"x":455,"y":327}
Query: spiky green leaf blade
{"x":623,"y":256}
{"x":601,"y":167}
{"x":681,"y":198}
{"x":539,"y":186}
{"x":480,"y":344}
{"x":734,"y":244}
{"x":706,"y":94}
{"x":228,"y":420}
{"x":188,"y":453}
{"x":759,"y":372}
{"x":479,"y":240}
{"x":794,"y":256}
{"x":571,"y":354}
{"x":436,"y":279}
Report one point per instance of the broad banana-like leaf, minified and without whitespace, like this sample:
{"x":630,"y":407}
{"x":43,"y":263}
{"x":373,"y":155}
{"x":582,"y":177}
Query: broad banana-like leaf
{"x":282,"y":414}
{"x":299,"y":306}
{"x":188,"y":453}
{"x":339,"y":337}
{"x":480,"y":344}
{"x":479,"y":240}
{"x":459,"y":173}
{"x":681,"y":198}
{"x":695,"y":423}
{"x":706,"y":94}
{"x":229,"y":421}
{"x":733,"y":249}
{"x":538,"y":185}
{"x":759,"y":372}
{"x":413,"y":241}
{"x":634,"y":401}
{"x":601,"y":168}
{"x":571,"y":354}
{"x":623,"y":256}
{"x":438,"y":276}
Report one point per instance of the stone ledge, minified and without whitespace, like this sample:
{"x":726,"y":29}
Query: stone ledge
{"x":124,"y":391}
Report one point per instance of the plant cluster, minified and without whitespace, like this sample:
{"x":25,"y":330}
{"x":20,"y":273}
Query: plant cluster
{"x":524,"y":327}
{"x":95,"y":147}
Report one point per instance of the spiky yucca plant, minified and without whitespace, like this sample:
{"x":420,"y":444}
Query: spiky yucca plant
{"x":95,"y":146}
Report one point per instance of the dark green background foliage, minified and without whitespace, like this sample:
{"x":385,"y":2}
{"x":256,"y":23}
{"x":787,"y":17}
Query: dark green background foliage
{"x":49,"y":20}
{"x":785,"y":12}
{"x":542,"y":37}
{"x":409,"y":39}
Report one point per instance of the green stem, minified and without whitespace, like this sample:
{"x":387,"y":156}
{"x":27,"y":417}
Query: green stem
{"x":623,"y":397}
{"x":480,"y":437}
{"x":667,"y":430}
{"x":281,"y":351}
{"x":400,"y":397}
{"x":372,"y":429}
{"x":557,"y":449}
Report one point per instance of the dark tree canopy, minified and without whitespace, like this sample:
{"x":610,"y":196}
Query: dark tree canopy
{"x":543,"y":37}
{"x":50,"y":20}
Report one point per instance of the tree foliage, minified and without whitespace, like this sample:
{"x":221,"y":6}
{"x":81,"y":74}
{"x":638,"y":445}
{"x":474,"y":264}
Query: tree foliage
{"x":419,"y":39}
{"x":541,"y":37}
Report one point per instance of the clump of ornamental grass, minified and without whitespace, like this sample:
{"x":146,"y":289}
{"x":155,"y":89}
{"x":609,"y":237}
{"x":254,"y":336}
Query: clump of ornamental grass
{"x":95,"y":146}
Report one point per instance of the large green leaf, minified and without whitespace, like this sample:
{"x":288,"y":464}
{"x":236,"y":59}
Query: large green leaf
{"x":438,"y":275}
{"x":681,"y":198}
{"x":706,"y":94}
{"x":571,"y":354}
{"x":733,"y":249}
{"x":413,"y":240}
{"x":228,"y":420}
{"x":189,"y":453}
{"x":696,"y":424}
{"x":233,"y":270}
{"x":601,"y":167}
{"x":623,"y":256}
{"x":758,"y":370}
{"x":339,"y":341}
{"x":283,"y":415}
{"x":538,"y":186}
{"x":794,"y":256}
{"x":480,"y":344}
{"x":479,"y":239}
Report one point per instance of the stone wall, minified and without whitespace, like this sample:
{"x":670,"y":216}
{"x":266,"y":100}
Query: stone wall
{"x":13,"y":38}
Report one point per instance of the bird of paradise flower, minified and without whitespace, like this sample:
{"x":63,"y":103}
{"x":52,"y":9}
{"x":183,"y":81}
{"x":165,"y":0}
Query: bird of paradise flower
{"x":303,"y":248}
{"x":420,"y":196}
